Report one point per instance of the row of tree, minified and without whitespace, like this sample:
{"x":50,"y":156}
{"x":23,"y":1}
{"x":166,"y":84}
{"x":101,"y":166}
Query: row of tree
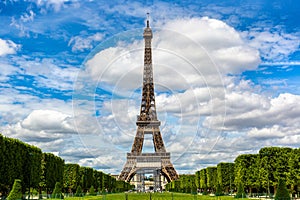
{"x":86,"y":178}
{"x":41,"y":171}
{"x":252,"y":173}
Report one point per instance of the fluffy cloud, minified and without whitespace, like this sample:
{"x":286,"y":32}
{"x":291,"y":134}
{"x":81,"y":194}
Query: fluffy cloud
{"x":28,"y":17}
{"x":273,"y":46}
{"x":204,"y":50}
{"x":47,"y":74}
{"x":48,"y":120}
{"x":81,"y":43}
{"x":258,"y":111}
{"x":56,"y":5}
{"x":8,"y":47}
{"x":42,"y":125}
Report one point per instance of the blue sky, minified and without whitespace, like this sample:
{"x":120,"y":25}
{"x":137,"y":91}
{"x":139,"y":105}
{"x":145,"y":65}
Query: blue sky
{"x":226,"y":73}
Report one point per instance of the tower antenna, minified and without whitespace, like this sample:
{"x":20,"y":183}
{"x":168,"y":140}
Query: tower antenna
{"x":148,"y":19}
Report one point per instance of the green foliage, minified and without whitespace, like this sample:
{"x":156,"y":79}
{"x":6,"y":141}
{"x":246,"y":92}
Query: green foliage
{"x":247,"y":171}
{"x":92,"y":191}
{"x":98,"y":176}
{"x":16,"y":192}
{"x":197,"y":179}
{"x":87,"y":177}
{"x":282,"y":191}
{"x":225,"y":173}
{"x":71,"y":177}
{"x":293,"y":175}
{"x":274,"y":164}
{"x":211,"y":174}
{"x":37,"y":170}
{"x":79,"y":192}
{"x":19,"y":161}
{"x":53,"y":169}
{"x":240,"y":191}
{"x":203,"y":179}
{"x":57,"y":193}
{"x":218,"y":190}
{"x":187,"y":183}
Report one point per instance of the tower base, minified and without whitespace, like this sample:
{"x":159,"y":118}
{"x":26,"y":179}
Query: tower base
{"x":148,"y":161}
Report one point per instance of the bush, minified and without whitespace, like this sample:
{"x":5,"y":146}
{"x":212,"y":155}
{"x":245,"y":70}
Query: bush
{"x":282,"y":191}
{"x":219,"y":190}
{"x":57,"y":194}
{"x":92,"y":191}
{"x":78,"y":191}
{"x":240,"y":191}
{"x":16,"y":192}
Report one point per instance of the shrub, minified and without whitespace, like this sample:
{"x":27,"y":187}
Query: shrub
{"x":219,"y":190}
{"x":282,"y":191}
{"x":57,"y":194}
{"x":78,"y":191}
{"x":16,"y":192}
{"x":240,"y":191}
{"x":92,"y":191}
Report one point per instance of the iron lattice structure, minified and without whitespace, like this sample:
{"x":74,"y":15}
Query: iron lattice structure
{"x":147,"y":123}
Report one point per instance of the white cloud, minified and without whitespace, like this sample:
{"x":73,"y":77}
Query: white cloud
{"x":204,"y":51}
{"x":81,"y":43}
{"x":41,"y":126}
{"x":6,"y":70}
{"x":259,"y":116}
{"x":28,"y":17}
{"x":266,"y":133}
{"x":273,"y":46}
{"x":48,"y":74}
{"x":8,"y":47}
{"x":48,"y":120}
{"x":56,"y":5}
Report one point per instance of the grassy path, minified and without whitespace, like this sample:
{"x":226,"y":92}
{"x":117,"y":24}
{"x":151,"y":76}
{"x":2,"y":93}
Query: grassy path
{"x":150,"y":196}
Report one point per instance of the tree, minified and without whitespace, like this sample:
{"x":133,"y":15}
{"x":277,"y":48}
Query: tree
{"x":246,"y":171}
{"x":16,"y":192}
{"x":219,"y":190}
{"x":92,"y":191}
{"x":197,"y":179}
{"x":274,"y":163}
{"x":203,"y":180}
{"x":87,"y":178}
{"x":293,"y":175}
{"x":98,"y":176}
{"x":52,"y":171}
{"x":282,"y":192}
{"x":18,"y":161}
{"x":225,"y":176}
{"x":240,"y":191}
{"x":79,"y":191}
{"x":57,"y":193}
{"x":71,"y":177}
{"x":212,"y":178}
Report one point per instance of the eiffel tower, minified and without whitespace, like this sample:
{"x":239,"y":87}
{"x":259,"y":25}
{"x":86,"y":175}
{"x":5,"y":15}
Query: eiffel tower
{"x":147,"y":123}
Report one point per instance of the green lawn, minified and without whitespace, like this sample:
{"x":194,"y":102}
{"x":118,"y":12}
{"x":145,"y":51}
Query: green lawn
{"x":154,"y":196}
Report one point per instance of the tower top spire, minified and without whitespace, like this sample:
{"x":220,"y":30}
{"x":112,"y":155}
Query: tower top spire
{"x":148,"y":32}
{"x":148,"y":19}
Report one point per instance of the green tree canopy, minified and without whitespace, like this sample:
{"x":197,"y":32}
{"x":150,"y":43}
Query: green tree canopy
{"x":282,"y":191}
{"x":16,"y":192}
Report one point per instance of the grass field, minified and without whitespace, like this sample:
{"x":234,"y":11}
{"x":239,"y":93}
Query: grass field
{"x":148,"y":196}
